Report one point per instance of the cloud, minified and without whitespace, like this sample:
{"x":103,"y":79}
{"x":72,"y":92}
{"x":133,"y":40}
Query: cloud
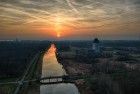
{"x":80,"y":14}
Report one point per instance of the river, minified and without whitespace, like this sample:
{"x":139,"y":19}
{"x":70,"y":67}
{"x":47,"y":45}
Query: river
{"x":51,"y":67}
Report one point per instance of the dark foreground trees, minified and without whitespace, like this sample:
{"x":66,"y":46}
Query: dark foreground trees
{"x":15,"y":56}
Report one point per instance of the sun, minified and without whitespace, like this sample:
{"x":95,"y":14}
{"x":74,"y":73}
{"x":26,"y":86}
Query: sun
{"x":58,"y":35}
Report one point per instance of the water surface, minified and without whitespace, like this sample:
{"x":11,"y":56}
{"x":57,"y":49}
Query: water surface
{"x":51,"y":67}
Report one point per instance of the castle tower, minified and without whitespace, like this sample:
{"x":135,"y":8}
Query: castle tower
{"x":95,"y":45}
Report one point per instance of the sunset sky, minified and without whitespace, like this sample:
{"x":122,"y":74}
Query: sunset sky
{"x":69,"y":19}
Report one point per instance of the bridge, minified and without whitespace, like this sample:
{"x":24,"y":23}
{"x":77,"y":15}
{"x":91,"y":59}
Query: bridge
{"x":54,"y":79}
{"x":45,"y":81}
{"x":51,"y":79}
{"x":58,"y":79}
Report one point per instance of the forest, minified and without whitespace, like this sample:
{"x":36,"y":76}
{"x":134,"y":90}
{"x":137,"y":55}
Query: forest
{"x":16,"y":55}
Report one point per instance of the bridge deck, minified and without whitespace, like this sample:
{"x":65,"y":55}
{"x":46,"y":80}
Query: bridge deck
{"x":57,"y":82}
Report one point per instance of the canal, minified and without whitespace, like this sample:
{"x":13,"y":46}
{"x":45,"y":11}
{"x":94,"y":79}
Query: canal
{"x":51,"y":67}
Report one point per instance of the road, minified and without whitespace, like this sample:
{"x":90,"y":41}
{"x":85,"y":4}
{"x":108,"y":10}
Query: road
{"x":21,"y":82}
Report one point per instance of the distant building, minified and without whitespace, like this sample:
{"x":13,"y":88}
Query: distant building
{"x":95,"y":45}
{"x":17,"y":40}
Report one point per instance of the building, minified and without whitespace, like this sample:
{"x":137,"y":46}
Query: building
{"x":95,"y":45}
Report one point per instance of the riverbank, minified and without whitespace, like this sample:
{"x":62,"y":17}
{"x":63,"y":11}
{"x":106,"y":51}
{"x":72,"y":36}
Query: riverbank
{"x":34,"y":88}
{"x":73,"y":67}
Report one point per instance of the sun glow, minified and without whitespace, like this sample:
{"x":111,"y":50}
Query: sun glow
{"x":58,"y":26}
{"x":58,"y":35}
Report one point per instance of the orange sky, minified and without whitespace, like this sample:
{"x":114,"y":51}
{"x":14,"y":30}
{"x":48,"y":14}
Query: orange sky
{"x":69,"y":19}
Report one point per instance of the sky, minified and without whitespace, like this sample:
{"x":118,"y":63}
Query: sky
{"x":69,"y":19}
